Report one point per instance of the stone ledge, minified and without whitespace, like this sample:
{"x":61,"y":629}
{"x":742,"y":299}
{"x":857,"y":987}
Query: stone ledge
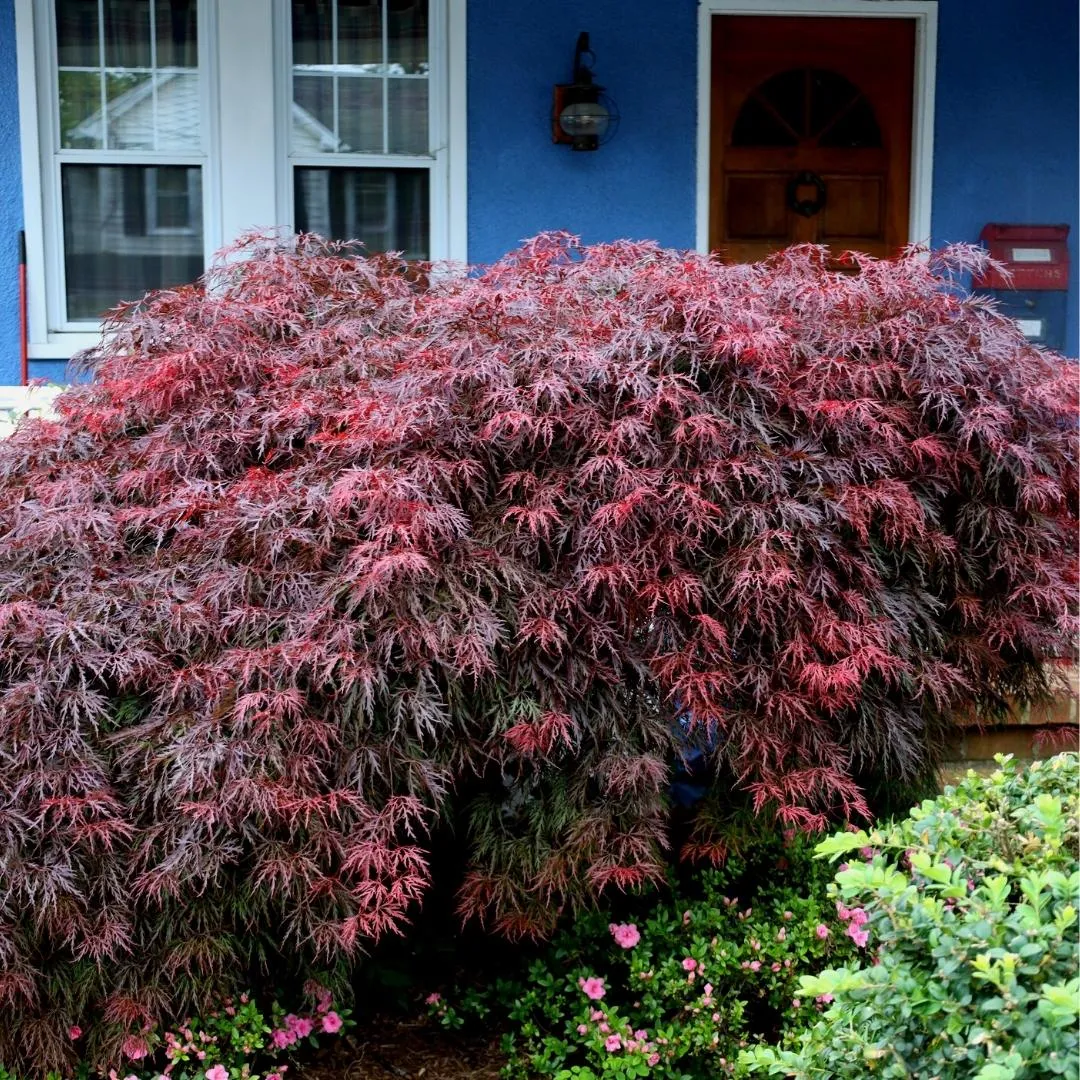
{"x":19,"y":401}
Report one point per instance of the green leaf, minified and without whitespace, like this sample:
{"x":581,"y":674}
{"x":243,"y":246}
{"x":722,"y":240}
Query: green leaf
{"x":841,"y":843}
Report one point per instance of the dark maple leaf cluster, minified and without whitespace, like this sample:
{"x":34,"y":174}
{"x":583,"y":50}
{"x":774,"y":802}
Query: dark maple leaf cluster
{"x":327,"y":550}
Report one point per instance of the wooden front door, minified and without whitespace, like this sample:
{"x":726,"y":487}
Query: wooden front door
{"x":810,"y":133}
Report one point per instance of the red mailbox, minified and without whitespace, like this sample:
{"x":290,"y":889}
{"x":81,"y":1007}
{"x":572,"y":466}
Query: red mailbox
{"x":1036,"y":257}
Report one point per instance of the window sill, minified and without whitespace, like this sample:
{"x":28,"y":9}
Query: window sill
{"x":62,"y":346}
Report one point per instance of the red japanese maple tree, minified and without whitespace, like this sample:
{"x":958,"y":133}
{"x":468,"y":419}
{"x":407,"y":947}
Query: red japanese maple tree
{"x":322,"y":553}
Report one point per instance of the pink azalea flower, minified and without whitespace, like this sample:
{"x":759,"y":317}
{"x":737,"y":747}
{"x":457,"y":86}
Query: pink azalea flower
{"x":686,"y":917}
{"x":303,"y":1027}
{"x":652,"y":1059}
{"x":217,"y":1072}
{"x":583,"y":1029}
{"x":789,"y":914}
{"x":707,"y":989}
{"x":326,"y":999}
{"x":596,"y":1014}
{"x":822,"y":931}
{"x":796,"y":1003}
{"x":859,"y":936}
{"x":331,"y":1022}
{"x":604,"y":1028}
{"x":613,"y":1043}
{"x":592,"y":987}
{"x":74,"y":1032}
{"x":781,"y":934}
{"x":433,"y":999}
{"x":626,"y":935}
{"x":689,"y":964}
{"x":282,"y":1038}
{"x":640,"y":1035}
{"x":716,"y":1018}
{"x":755,"y":965}
{"x":824,"y":999}
{"x":135,"y":1048}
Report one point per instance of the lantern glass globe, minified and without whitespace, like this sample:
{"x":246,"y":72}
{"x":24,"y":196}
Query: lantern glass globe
{"x":585,"y":118}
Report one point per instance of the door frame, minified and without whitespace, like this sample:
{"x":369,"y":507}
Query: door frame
{"x":923,"y":12}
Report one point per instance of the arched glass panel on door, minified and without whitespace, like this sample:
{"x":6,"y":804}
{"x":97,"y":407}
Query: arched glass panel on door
{"x":806,"y":106}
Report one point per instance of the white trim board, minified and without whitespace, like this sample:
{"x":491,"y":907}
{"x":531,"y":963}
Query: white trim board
{"x":924,"y":13}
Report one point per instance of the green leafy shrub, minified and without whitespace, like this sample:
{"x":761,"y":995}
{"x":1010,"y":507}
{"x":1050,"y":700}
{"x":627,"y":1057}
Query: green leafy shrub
{"x":676,"y":992}
{"x":241,"y":1039}
{"x":971,"y":906}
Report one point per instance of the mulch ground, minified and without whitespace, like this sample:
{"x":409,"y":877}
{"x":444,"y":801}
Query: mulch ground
{"x":407,"y":1050}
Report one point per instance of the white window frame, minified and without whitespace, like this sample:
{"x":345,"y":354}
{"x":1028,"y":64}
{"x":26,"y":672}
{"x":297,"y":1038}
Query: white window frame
{"x":246,"y":167}
{"x":439,"y":118}
{"x":924,"y":13}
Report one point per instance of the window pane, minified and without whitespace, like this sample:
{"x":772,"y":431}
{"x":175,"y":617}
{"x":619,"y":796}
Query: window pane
{"x":312,"y":32}
{"x":129,"y":117}
{"x":177,"y":110}
{"x":360,"y":32}
{"x":127,"y":229}
{"x":77,"y":33}
{"x":81,"y":120}
{"x":176,"y":33}
{"x":142,"y":109}
{"x":386,"y":209}
{"x":408,"y":104}
{"x":407,"y":30}
{"x":360,"y":115}
{"x":313,"y":114}
{"x":368,"y":45}
{"x":127,"y":33}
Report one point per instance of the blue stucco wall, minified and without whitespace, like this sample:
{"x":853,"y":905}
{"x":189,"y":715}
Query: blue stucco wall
{"x":639,"y":185}
{"x":1006,"y":128}
{"x":10,"y":199}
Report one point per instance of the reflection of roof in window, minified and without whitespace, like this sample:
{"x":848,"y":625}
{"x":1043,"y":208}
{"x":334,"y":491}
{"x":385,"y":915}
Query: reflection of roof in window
{"x":131,"y":116}
{"x":131,"y":119}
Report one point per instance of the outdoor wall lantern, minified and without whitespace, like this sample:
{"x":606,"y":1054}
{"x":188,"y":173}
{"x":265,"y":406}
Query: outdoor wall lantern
{"x":582,"y":114}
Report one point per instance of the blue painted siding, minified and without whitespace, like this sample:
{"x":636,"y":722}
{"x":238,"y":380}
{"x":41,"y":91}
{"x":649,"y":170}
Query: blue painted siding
{"x":1006,"y":128}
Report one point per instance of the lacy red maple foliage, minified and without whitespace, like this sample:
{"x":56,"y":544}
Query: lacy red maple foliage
{"x":323,"y":552}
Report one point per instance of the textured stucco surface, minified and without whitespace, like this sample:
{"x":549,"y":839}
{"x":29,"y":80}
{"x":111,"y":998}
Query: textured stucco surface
{"x":641,"y":184}
{"x":1007,"y":132}
{"x":1006,"y":128}
{"x":10,"y":199}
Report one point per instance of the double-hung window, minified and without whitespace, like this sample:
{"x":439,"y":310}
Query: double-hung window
{"x":156,"y":131}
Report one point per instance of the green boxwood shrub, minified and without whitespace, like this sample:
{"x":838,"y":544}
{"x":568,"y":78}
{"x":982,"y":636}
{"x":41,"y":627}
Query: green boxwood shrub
{"x":970,"y":905}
